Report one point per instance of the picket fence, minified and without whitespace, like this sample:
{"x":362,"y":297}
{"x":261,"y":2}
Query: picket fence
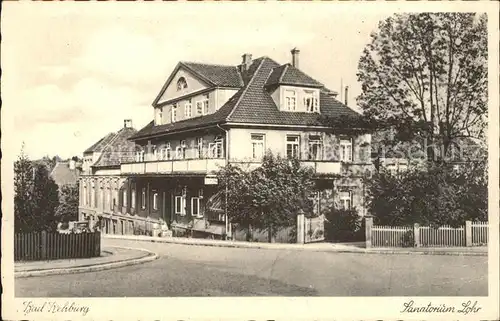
{"x":35,"y":246}
{"x":471,"y":234}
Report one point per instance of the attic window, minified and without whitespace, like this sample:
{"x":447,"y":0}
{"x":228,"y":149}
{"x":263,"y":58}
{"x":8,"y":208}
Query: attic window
{"x":311,"y":102}
{"x":290,"y":100}
{"x":181,"y":83}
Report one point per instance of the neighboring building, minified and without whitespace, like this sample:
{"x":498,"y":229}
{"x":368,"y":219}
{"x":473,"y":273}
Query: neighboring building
{"x":207,"y":116}
{"x":101,"y":182}
{"x":66,"y":173}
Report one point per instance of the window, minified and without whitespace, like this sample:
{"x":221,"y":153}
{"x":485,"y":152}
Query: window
{"x":292,"y":146}
{"x":345,"y":200}
{"x":174,"y":113}
{"x":143,"y":199}
{"x":180,"y":207}
{"x":181,"y":83}
{"x":187,"y":110}
{"x":132,"y":198}
{"x":110,"y":203}
{"x":139,"y":156}
{"x":202,"y":107}
{"x":311,"y":102}
{"x":101,"y":197}
{"x":199,"y":147}
{"x":315,"y":147}
{"x":167,"y":151}
{"x":180,"y":151}
{"x":215,"y":148}
{"x":290,"y":100}
{"x":346,"y":150}
{"x":195,"y":207}
{"x":85,"y":200}
{"x":92,"y":196}
{"x":155,"y":200}
{"x":124,"y":198}
{"x":158,"y":116}
{"x":257,"y":146}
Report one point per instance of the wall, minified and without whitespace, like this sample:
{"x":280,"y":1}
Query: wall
{"x":171,"y":91}
{"x":240,"y":144}
{"x":216,"y":99}
{"x":208,"y":136}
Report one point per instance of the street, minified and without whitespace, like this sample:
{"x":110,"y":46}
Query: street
{"x":186,"y":270}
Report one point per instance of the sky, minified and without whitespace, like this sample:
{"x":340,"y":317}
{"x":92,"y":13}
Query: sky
{"x":72,"y":72}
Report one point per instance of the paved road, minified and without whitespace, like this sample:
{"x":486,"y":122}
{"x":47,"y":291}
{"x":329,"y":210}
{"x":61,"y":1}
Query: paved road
{"x":186,"y":270}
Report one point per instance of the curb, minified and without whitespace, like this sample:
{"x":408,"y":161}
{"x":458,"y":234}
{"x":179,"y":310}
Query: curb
{"x":267,"y":246}
{"x":150,"y":256}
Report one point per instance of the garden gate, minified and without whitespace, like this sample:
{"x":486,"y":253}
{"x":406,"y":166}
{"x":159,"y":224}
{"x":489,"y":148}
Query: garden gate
{"x":314,"y":229}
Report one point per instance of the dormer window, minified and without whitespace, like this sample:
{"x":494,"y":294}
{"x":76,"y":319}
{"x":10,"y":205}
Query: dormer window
{"x":174,"y":113}
{"x":187,"y":110}
{"x":290,"y":100}
{"x":158,"y":116}
{"x":181,"y":83}
{"x":202,"y":107}
{"x":311,"y":102}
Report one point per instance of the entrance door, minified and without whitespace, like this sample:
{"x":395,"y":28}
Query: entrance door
{"x":166,"y":208}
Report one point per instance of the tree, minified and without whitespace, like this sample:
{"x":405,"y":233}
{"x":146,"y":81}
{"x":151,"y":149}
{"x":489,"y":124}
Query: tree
{"x":68,"y":206}
{"x":269,"y":196}
{"x":23,"y":187}
{"x":426,"y":74}
{"x":36,"y":196}
{"x":46,"y":199}
{"x":435,"y":196}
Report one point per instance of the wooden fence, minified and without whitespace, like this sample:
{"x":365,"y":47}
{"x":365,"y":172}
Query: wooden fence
{"x":391,"y":236}
{"x":52,"y":246}
{"x":479,"y":233}
{"x":471,"y":234}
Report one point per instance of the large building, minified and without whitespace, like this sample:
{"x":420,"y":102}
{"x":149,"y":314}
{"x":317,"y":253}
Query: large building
{"x":209,"y":115}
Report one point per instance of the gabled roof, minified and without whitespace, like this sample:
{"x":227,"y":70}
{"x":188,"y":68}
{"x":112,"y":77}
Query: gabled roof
{"x":218,"y":75}
{"x":253,"y":102}
{"x":100,"y":144}
{"x":288,"y":75}
{"x":119,"y":149}
{"x":64,"y":175}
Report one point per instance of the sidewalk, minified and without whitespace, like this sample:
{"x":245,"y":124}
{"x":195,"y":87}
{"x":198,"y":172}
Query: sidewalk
{"x":111,"y":257}
{"x":316,"y":247}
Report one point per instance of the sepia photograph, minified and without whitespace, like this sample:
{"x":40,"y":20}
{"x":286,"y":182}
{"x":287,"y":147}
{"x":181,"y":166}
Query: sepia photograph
{"x":228,"y":151}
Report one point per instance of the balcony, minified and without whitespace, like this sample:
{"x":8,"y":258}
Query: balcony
{"x":180,"y":162}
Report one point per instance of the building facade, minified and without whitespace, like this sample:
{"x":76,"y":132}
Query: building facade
{"x":207,"y":116}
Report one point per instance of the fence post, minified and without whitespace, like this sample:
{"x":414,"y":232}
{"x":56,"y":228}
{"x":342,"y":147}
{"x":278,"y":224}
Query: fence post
{"x":43,"y":245}
{"x":416,"y":235}
{"x":300,"y":228}
{"x":468,"y":233}
{"x":368,"y":222}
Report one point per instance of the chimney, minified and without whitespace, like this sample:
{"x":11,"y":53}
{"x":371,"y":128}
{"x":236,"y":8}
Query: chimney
{"x":346,"y":91}
{"x":127,"y":123}
{"x":72,"y":164}
{"x":246,"y":62}
{"x":295,"y":57}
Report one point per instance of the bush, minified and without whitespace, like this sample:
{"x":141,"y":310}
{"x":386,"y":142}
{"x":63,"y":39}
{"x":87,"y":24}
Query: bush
{"x":343,"y":225}
{"x":435,"y":196}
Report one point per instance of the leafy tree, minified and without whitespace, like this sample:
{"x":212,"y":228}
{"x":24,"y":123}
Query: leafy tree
{"x":435,"y":196}
{"x":269,"y":196}
{"x":23,"y":187}
{"x":426,"y":74}
{"x":68,"y":206}
{"x":46,"y":198}
{"x":343,"y":225}
{"x":36,"y":196}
